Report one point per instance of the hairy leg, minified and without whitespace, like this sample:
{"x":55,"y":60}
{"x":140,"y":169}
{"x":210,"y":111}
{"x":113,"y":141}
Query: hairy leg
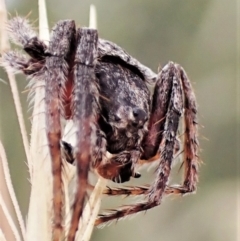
{"x":21,"y":33}
{"x":55,"y":72}
{"x":191,"y":146}
{"x":85,"y":116}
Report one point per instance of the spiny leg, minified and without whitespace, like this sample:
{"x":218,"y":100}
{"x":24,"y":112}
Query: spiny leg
{"x":157,"y":119}
{"x":191,"y":146}
{"x":127,"y":191}
{"x":133,"y":190}
{"x":85,"y":116}
{"x":166,"y":150}
{"x":56,"y":72}
{"x":21,"y":33}
{"x":17,"y":62}
{"x":170,"y":78}
{"x":191,"y":143}
{"x":126,"y":210}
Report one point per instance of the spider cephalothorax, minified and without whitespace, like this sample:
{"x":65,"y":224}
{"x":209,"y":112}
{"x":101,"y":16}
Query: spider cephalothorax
{"x":104,"y":90}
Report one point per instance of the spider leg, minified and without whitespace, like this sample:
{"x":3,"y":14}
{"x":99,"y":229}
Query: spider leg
{"x":17,"y":62}
{"x":20,"y":30}
{"x":169,"y":76}
{"x":127,"y":191}
{"x":85,"y":116}
{"x":126,"y":210}
{"x":171,"y":80}
{"x":191,"y":145}
{"x":157,"y":120}
{"x":56,"y":71}
{"x":21,"y":33}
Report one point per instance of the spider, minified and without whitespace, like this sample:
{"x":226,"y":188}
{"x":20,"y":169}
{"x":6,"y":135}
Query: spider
{"x":105,"y":92}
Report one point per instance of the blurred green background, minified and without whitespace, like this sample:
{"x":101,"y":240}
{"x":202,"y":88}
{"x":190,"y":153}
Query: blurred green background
{"x":201,"y":36}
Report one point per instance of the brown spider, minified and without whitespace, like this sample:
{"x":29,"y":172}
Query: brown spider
{"x":104,"y":90}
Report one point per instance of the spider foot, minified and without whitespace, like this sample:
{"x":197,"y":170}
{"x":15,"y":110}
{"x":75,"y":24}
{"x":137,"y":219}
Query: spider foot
{"x":20,"y":31}
{"x":182,"y":190}
{"x":15,"y":62}
{"x":122,"y":212}
{"x":127,"y":191}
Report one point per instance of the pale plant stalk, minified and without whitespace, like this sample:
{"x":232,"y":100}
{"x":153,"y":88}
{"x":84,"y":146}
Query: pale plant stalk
{"x":43,"y":21}
{"x":93,"y":17}
{"x":18,"y":107}
{"x":40,"y":205}
{"x":5,"y":46}
{"x":2,"y":236}
{"x":9,"y":219}
{"x":91,"y":210}
{"x":3,"y":159}
{"x":8,"y":181}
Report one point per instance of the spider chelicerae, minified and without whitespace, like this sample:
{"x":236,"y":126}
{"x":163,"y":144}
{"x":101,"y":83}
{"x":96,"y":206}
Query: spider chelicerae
{"x":104,"y":91}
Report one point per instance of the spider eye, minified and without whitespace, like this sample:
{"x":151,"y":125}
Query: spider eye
{"x":139,"y":114}
{"x":116,"y":118}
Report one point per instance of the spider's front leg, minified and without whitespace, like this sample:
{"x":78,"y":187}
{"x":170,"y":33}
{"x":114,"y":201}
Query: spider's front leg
{"x":167,"y":109}
{"x":56,"y":74}
{"x":173,"y":96}
{"x":85,"y":116}
{"x":21,"y":33}
{"x":191,"y":145}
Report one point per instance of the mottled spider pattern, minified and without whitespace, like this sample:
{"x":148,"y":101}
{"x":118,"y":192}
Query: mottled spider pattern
{"x":104,"y":90}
